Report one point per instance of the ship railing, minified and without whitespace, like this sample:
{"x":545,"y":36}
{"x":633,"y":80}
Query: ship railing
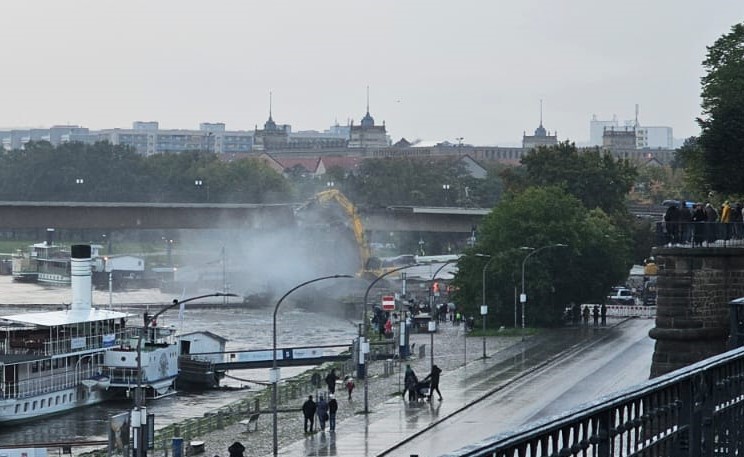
{"x":50,"y":383}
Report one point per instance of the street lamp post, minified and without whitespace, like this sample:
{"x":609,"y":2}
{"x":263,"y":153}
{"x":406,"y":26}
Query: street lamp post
{"x":484,"y":307}
{"x":274,"y":370}
{"x":445,"y":189}
{"x":139,"y":414}
{"x":523,"y":296}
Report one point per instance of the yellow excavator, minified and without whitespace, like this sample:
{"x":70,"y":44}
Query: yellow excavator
{"x":370,"y":267}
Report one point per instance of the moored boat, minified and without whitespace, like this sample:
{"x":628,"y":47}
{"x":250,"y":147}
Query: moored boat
{"x":51,"y":362}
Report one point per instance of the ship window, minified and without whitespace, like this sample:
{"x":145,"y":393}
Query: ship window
{"x":49,"y":402}
{"x":35,"y":367}
{"x":43,"y":402}
{"x":25,"y":407}
{"x":34,"y":407}
{"x":56,"y":400}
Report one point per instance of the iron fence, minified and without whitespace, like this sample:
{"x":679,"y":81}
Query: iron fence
{"x":696,"y":411}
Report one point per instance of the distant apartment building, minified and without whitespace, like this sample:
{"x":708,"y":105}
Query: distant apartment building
{"x":147,"y":138}
{"x":58,"y":134}
{"x":647,"y":137}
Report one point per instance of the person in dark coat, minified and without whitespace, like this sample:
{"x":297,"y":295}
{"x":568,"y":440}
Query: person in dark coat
{"x":603,"y":314}
{"x":409,"y":382}
{"x":332,"y":409}
{"x":331,"y":381}
{"x":671,"y":223}
{"x":586,"y":314}
{"x":434,"y":378}
{"x":698,"y":218}
{"x":595,"y":314}
{"x":322,"y":412}
{"x":236,"y":449}
{"x":308,"y":410}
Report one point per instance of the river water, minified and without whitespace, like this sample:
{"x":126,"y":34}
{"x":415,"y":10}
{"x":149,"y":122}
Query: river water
{"x":245,"y":328}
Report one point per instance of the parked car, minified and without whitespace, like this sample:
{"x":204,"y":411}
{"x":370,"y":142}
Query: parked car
{"x":621,"y":296}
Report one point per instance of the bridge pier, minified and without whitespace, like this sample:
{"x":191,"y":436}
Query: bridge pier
{"x":694,"y":287}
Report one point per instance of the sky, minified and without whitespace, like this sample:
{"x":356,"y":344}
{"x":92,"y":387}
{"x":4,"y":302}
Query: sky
{"x":436,"y":70}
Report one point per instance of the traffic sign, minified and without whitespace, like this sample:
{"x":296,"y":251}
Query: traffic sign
{"x":388,"y":303}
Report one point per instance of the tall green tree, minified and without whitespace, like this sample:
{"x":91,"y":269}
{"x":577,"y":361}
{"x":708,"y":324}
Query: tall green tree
{"x":597,"y":257}
{"x":722,"y":120}
{"x":596,"y":178}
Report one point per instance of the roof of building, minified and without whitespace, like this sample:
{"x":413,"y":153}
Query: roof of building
{"x":56,"y":318}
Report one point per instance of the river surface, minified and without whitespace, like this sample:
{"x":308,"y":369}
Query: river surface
{"x":245,"y":328}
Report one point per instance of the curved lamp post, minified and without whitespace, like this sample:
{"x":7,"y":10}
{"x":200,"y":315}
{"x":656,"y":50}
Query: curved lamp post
{"x":432,"y":328}
{"x":274,"y":370}
{"x":523,"y":296}
{"x":366,"y":329}
{"x":484,"y":309}
{"x":139,"y":396}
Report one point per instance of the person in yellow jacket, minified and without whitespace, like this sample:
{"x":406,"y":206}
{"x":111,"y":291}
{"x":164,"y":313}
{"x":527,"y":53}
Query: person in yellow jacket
{"x":726,"y":212}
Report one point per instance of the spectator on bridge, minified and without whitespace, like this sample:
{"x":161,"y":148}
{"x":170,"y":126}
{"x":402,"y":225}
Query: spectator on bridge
{"x":596,"y":315}
{"x":685,"y":223}
{"x":711,"y":215}
{"x":736,"y":220}
{"x":331,"y":381}
{"x":308,"y":410}
{"x":603,"y":313}
{"x":671,"y":223}
{"x":698,"y":221}
{"x":726,"y":219}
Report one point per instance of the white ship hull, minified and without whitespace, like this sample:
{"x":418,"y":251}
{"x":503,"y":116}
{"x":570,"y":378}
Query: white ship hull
{"x":51,"y":403}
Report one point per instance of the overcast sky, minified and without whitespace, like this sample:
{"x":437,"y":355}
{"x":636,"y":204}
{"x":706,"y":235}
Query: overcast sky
{"x":437,"y":70}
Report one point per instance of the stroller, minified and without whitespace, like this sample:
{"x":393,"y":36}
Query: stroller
{"x":422,"y":389}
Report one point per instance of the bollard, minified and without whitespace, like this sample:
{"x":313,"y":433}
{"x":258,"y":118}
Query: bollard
{"x":177,"y":447}
{"x":422,"y":351}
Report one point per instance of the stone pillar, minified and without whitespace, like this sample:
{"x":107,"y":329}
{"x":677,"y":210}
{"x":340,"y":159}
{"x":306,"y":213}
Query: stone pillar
{"x":694,"y":287}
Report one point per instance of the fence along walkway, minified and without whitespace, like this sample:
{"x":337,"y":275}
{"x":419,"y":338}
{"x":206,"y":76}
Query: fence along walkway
{"x":694,"y":411}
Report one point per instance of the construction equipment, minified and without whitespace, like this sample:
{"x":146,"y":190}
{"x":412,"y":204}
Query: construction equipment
{"x":323,"y":209}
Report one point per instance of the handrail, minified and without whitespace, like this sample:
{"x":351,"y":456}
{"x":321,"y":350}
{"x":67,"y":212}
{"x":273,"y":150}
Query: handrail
{"x":680,"y":413}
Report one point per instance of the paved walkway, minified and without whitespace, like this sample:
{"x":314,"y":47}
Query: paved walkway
{"x":395,"y":421}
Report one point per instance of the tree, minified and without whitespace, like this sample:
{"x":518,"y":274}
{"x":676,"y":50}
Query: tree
{"x":597,"y":256}
{"x":722,"y":120}
{"x":595,"y":178}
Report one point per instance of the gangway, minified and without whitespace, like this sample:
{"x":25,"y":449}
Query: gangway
{"x":286,"y":357}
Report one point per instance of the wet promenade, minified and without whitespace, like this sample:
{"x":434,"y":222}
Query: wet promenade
{"x":486,"y":397}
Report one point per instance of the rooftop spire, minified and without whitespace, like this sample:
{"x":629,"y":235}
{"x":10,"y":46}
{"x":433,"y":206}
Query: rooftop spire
{"x":269,"y":105}
{"x":367,"y":99}
{"x":541,"y":112}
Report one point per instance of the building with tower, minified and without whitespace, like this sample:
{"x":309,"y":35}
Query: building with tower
{"x":541,"y":137}
{"x":367,"y":134}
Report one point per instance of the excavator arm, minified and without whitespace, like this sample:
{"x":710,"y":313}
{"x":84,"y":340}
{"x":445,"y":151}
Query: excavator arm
{"x":353,"y":222}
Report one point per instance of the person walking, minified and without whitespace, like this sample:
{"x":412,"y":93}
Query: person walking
{"x":585,"y":315}
{"x":322,"y":412}
{"x":331,"y":381}
{"x":349,"y":385}
{"x":409,"y":382}
{"x":433,"y":377}
{"x":308,"y":410}
{"x":332,"y":409}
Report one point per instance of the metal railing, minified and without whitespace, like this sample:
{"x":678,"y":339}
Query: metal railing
{"x":700,"y":234}
{"x":694,"y":411}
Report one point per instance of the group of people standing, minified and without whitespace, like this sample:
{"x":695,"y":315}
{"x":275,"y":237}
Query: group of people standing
{"x":325,"y":410}
{"x":685,"y":223}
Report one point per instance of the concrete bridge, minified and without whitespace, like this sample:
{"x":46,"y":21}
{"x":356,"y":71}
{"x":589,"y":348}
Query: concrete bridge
{"x":110,"y":216}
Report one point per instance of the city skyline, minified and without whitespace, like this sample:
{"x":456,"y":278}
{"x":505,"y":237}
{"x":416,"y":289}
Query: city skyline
{"x":436,"y":71}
